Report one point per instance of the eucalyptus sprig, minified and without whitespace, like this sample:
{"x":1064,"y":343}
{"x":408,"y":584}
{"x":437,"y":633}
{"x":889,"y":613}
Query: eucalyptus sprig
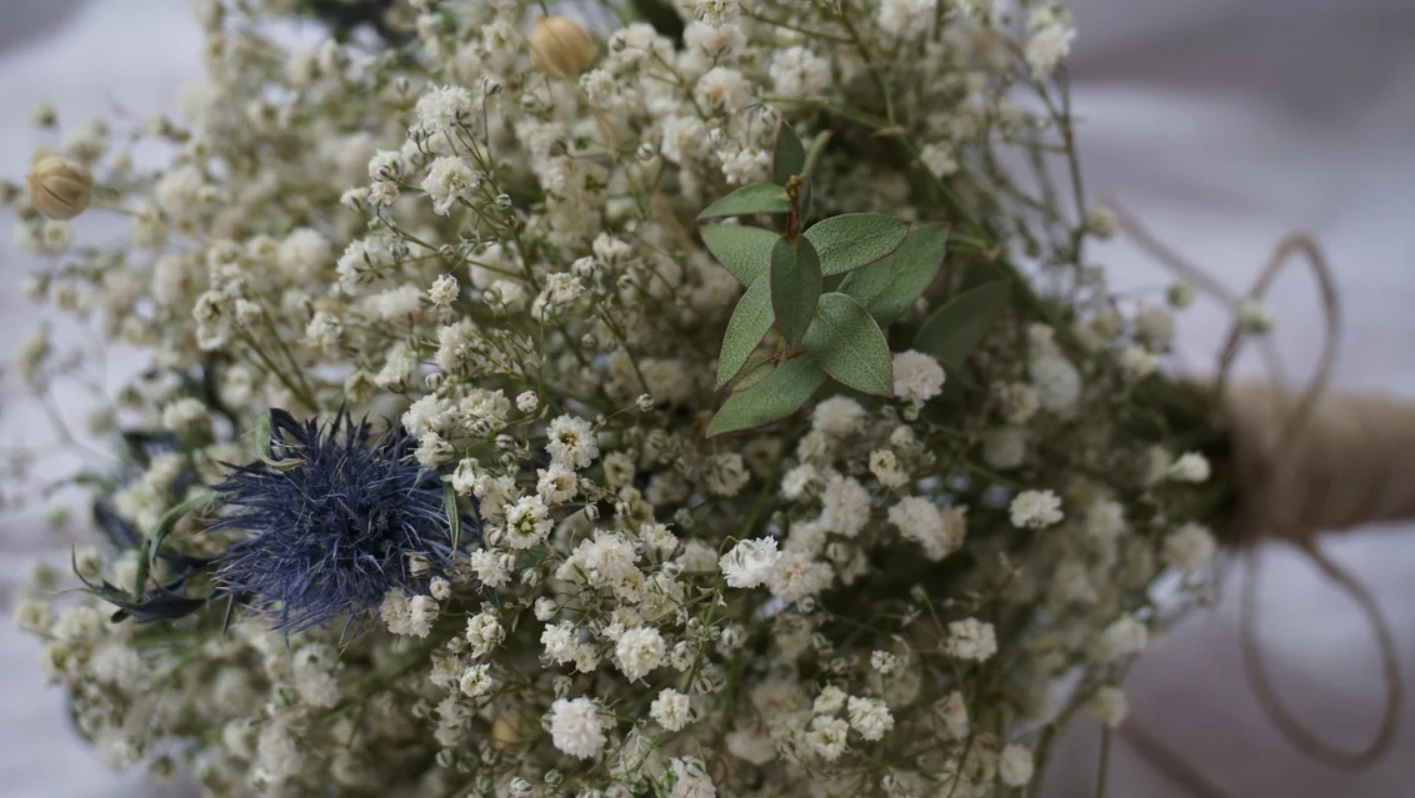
{"x":830,"y":290}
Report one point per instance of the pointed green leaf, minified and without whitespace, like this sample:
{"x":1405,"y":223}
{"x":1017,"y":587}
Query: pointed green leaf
{"x":759,"y":367}
{"x":760,"y":198}
{"x":745,"y":251}
{"x":813,"y":157}
{"x":749,"y":323}
{"x":953,"y":331}
{"x":795,"y":284}
{"x":850,"y":347}
{"x":888,"y":287}
{"x":454,"y":514}
{"x":852,"y":240}
{"x":782,"y":393}
{"x":789,"y":158}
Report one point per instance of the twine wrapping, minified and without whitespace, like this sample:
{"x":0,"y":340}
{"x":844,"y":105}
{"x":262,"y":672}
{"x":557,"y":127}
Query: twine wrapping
{"x":1349,"y":464}
{"x":1304,"y":462}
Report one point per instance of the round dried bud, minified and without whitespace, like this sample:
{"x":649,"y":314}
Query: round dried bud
{"x":506,"y":730}
{"x":59,"y":188}
{"x":560,"y":47}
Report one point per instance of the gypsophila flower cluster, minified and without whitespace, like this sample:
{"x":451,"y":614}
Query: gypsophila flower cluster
{"x":417,"y":495}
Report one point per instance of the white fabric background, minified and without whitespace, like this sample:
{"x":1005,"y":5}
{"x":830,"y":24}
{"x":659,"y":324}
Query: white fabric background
{"x":1221,"y":125}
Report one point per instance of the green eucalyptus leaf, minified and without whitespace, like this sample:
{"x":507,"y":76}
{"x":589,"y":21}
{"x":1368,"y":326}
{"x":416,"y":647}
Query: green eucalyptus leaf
{"x":750,"y":321}
{"x":783,"y":392}
{"x":952,"y":332}
{"x":813,"y":156}
{"x":759,"y":198}
{"x":789,"y":158}
{"x":759,"y":367}
{"x":795,"y":285}
{"x":852,"y":240}
{"x":745,"y":251}
{"x":888,"y":287}
{"x":846,"y":342}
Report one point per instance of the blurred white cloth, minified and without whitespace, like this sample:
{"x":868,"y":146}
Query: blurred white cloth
{"x":1221,"y":126}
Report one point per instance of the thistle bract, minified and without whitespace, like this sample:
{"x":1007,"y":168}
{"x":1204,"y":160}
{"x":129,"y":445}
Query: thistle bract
{"x":333,"y":525}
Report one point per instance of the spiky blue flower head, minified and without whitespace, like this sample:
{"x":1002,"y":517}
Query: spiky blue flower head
{"x":332,"y":519}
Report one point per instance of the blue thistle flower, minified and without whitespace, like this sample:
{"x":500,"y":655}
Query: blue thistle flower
{"x":332,"y":519}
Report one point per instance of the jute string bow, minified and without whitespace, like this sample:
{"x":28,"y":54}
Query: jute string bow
{"x":1305,"y":461}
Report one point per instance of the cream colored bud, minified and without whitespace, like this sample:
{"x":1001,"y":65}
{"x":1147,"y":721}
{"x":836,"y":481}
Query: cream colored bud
{"x":59,"y":188}
{"x":506,"y":730}
{"x":560,"y":47}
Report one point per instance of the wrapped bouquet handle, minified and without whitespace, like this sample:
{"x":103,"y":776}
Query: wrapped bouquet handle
{"x":1304,"y":462}
{"x":1349,"y":464}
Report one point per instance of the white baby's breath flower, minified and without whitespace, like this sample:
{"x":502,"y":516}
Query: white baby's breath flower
{"x":476,"y":681}
{"x":830,"y":701}
{"x":444,"y":290}
{"x":924,"y":523}
{"x":572,"y":442}
{"x":917,"y":377}
{"x":556,"y":484}
{"x":1190,"y":467}
{"x":798,"y":575}
{"x":1254,"y":318}
{"x":1109,"y":706}
{"x":797,"y":72}
{"x":839,"y":416}
{"x":1004,"y":448}
{"x":449,"y":180}
{"x":640,"y":651}
{"x":671,"y":709}
{"x":1036,"y":509}
{"x":691,"y":779}
{"x":1014,"y":766}
{"x":441,"y":110}
{"x":1137,"y":362}
{"x":750,"y":563}
{"x":528,"y":523}
{"x":845,"y":506}
{"x":1057,"y":382}
{"x":723,"y":89}
{"x":828,"y":737}
{"x":576,"y":729}
{"x":905,"y":17}
{"x":1125,"y":637}
{"x":971,"y":639}
{"x":484,"y":633}
{"x":1190,"y":548}
{"x":870,"y":717}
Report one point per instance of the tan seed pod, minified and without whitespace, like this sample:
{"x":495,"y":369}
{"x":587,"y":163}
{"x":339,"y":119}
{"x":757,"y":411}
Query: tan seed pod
{"x":560,"y":47}
{"x":59,"y":188}
{"x":505,"y":730}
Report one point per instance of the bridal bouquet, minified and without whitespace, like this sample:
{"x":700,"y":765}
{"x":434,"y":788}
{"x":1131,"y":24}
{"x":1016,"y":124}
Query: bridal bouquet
{"x":650,"y":398}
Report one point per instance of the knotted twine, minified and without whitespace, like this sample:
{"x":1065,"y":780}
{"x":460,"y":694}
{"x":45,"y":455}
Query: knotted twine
{"x":1304,"y":461}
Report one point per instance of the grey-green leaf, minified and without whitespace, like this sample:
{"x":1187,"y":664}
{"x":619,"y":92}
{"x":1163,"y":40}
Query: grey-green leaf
{"x":750,"y":321}
{"x":777,"y":396}
{"x":789,"y":158}
{"x":760,"y":198}
{"x":852,"y":240}
{"x":759,"y":367}
{"x":454,"y":514}
{"x":850,"y":347}
{"x":795,"y":285}
{"x":745,"y":251}
{"x":888,"y":287}
{"x":953,"y":331}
